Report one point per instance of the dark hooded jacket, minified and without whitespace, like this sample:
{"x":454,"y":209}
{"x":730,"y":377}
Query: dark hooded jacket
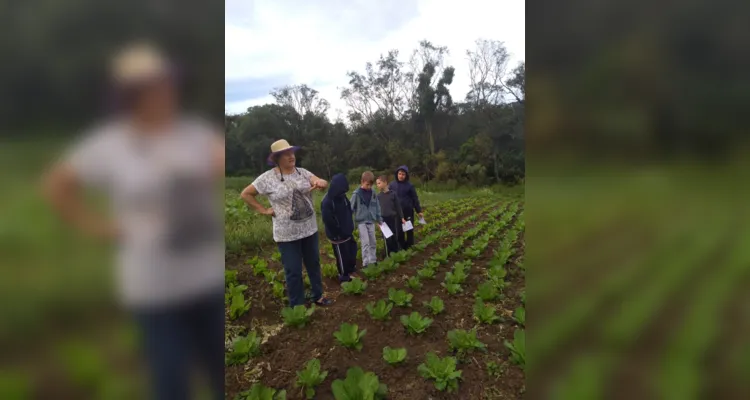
{"x":336,"y":210}
{"x":407,"y":194}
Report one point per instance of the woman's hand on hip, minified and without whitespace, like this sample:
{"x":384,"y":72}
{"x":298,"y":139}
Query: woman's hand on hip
{"x":269,"y":211}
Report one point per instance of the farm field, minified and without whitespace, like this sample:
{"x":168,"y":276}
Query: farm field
{"x":456,"y":297}
{"x":653,"y":271}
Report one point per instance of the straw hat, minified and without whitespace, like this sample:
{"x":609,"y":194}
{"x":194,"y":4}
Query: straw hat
{"x":138,"y":63}
{"x":278,"y":147}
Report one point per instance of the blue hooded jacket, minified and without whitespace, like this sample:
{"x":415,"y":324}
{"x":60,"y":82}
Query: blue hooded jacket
{"x":336,"y":210}
{"x":406,"y":193}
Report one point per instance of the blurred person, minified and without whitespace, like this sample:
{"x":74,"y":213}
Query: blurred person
{"x":160,"y":172}
{"x":295,"y":227}
{"x":407,"y":197}
{"x":391,"y":210}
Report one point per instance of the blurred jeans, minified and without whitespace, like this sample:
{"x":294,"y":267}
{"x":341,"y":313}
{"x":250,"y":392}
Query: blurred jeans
{"x":293,"y":255}
{"x":178,"y":337}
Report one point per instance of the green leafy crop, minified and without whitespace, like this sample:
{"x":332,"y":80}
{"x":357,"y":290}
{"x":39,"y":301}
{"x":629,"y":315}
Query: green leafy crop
{"x":243,"y":348}
{"x":350,"y":336}
{"x":436,"y":305}
{"x":380,"y":310}
{"x":416,"y":323}
{"x":297,"y":316}
{"x":394,"y":356}
{"x":400,"y":297}
{"x":442,"y":371}
{"x":359,"y":385}
{"x":355,"y":286}
{"x":310,"y":377}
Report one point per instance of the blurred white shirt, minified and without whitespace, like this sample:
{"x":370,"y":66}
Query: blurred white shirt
{"x":163,"y":193}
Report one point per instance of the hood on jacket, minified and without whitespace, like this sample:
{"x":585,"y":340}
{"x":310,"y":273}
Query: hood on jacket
{"x":339,"y":185}
{"x":402,"y":168}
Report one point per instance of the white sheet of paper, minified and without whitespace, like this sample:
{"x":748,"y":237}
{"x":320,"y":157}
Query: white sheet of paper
{"x":422,"y":221}
{"x":407,"y":226}
{"x":386,"y":230}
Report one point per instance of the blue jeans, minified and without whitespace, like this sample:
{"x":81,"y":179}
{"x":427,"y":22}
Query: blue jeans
{"x":176,"y":338}
{"x":293,"y":255}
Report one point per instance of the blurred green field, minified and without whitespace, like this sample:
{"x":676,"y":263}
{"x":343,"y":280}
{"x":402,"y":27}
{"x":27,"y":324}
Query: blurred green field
{"x":248,"y":232}
{"x":638,"y":285}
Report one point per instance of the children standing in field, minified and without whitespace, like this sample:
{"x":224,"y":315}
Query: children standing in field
{"x":392,"y":214}
{"x":407,"y":197}
{"x":366,"y":209}
{"x":337,"y":219}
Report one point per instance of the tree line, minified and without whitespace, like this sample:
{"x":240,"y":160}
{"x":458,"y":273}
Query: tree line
{"x":399,"y":111}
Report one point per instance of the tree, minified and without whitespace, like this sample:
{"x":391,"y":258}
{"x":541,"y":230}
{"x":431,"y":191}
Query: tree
{"x":433,"y":99}
{"x":384,"y":89}
{"x":302,"y":99}
{"x":488,"y":63}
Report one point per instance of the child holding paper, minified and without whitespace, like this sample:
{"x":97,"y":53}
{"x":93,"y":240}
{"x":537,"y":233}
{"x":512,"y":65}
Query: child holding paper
{"x":390,"y":209}
{"x":337,"y":218}
{"x":366,"y":210}
{"x":407,"y":197}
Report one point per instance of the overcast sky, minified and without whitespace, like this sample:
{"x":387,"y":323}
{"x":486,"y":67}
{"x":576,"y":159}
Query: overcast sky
{"x":272,"y":43}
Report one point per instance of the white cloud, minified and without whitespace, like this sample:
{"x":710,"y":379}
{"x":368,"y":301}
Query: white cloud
{"x":318,"y":45}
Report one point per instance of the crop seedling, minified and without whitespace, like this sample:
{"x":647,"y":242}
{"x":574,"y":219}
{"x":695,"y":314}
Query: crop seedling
{"x":462,"y":341}
{"x":310,"y":377}
{"x":436,"y":305}
{"x":359,"y":385}
{"x":520,"y":315}
{"x":276,"y":256}
{"x":230,"y":277}
{"x":232,"y":290}
{"x":415,"y":323}
{"x":518,"y":348}
{"x":243,"y":348}
{"x":426,"y":273}
{"x":355,"y":286}
{"x":278,"y":289}
{"x":452,"y":288}
{"x":413,"y":283}
{"x":485,"y":313}
{"x":350,"y":336}
{"x":442,"y":371}
{"x":487,"y":292}
{"x":523,"y":297}
{"x":433,"y":265}
{"x":380,"y":310}
{"x":441,"y":258}
{"x":329,"y":270}
{"x":260,"y":391}
{"x":260,"y":267}
{"x":297,"y":316}
{"x":457,"y":276}
{"x":373,"y":271}
{"x":238,"y":306}
{"x":400,"y":297}
{"x":394,"y":356}
{"x":269,"y":276}
{"x":389,"y":265}
{"x":493,"y":369}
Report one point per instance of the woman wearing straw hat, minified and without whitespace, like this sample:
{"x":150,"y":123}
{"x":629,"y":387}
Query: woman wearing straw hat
{"x":162,"y":173}
{"x":295,"y":227}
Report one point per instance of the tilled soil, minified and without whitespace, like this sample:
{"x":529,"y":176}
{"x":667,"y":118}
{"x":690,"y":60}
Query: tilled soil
{"x":288,"y":351}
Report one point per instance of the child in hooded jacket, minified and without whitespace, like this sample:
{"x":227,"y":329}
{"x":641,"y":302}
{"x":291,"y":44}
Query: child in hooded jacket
{"x":339,"y":226}
{"x":407,"y":197}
